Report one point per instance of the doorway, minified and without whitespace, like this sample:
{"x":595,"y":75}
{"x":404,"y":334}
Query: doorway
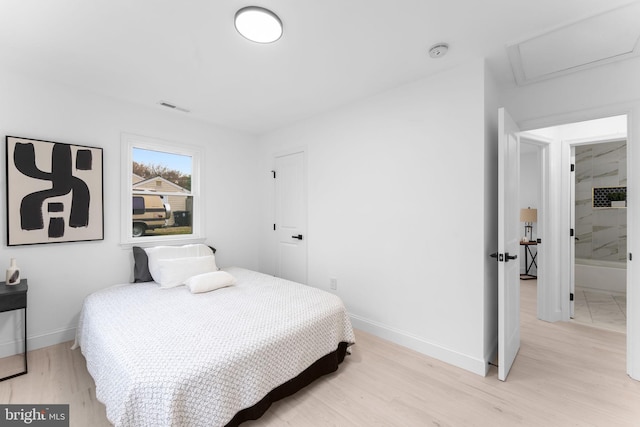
{"x":531,"y":164}
{"x":553,"y":299}
{"x":537,"y":196}
{"x":600,"y":222}
{"x":593,"y":165}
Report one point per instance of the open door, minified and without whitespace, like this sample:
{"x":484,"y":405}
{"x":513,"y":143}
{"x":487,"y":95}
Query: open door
{"x":508,"y":243}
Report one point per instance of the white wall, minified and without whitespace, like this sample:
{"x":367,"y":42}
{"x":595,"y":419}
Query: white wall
{"x":555,"y":101}
{"x":608,"y":90}
{"x":396,"y":197}
{"x":529,"y":181}
{"x":61,"y":275}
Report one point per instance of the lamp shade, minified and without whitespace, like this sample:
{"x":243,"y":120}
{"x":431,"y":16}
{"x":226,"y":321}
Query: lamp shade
{"x":528,"y":215}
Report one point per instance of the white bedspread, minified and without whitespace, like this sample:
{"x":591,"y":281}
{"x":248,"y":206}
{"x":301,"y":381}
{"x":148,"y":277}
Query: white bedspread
{"x":166,"y":357}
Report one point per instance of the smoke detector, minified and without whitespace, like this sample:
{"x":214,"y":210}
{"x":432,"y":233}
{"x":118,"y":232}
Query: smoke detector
{"x":438,"y":50}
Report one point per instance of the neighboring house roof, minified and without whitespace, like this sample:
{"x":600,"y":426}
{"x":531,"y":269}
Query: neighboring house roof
{"x":136,"y":178}
{"x":142,"y":184}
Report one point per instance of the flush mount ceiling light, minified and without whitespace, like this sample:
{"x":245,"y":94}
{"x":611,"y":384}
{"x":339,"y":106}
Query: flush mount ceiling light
{"x":258,"y":24}
{"x":438,"y":50}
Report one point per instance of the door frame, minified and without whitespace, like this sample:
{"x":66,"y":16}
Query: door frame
{"x":632,"y":111}
{"x":568,"y":149}
{"x":546,"y":250}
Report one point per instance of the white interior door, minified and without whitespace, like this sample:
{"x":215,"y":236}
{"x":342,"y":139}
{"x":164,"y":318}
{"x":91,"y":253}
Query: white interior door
{"x":291,"y":217}
{"x":508,"y":243}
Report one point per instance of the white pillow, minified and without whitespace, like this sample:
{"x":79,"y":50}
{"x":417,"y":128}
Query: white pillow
{"x":173,"y":272}
{"x":158,"y":253}
{"x":209,"y":281}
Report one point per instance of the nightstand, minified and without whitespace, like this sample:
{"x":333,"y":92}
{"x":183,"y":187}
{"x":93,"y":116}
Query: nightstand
{"x":528,"y":265}
{"x":14,"y":297}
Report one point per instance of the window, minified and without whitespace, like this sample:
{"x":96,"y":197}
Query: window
{"x":160,"y":193}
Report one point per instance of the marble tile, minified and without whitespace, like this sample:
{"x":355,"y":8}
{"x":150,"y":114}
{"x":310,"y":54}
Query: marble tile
{"x":608,"y":152}
{"x":584,"y":177}
{"x":605,"y":243}
{"x":622,"y":217}
{"x":605,"y":217}
{"x":584,"y":156}
{"x":621,"y":300}
{"x":593,"y":297}
{"x":583,"y":248}
{"x":581,"y":314}
{"x":584,"y":211}
{"x":605,"y":311}
{"x":600,"y":309}
{"x":582,"y":308}
{"x":602,"y":232}
{"x":608,"y":317}
{"x":622,"y":173}
{"x":606,"y":175}
{"x":584,"y":233}
{"x":606,"y":164}
{"x":584,"y":196}
{"x":583,"y":151}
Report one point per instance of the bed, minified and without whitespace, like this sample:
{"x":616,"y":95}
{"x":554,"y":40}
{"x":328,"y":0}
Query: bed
{"x":164,"y":356}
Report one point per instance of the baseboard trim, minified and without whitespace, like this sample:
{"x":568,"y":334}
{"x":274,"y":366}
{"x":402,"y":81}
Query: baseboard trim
{"x":35,"y":342}
{"x":397,"y":336}
{"x":418,"y":344}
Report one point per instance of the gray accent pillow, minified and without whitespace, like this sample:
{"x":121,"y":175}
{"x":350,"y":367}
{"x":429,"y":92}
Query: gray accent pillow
{"x":141,"y":266}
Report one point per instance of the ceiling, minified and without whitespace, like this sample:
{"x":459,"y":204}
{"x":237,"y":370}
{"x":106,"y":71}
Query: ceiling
{"x":333,"y":52}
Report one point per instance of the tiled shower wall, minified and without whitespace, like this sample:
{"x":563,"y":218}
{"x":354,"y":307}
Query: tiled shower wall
{"x":601,"y":232}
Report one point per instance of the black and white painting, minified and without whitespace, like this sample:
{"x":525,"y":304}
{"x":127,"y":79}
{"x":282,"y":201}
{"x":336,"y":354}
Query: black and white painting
{"x":54,"y":192}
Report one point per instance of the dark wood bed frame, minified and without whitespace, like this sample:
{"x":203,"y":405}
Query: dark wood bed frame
{"x":323,"y":366}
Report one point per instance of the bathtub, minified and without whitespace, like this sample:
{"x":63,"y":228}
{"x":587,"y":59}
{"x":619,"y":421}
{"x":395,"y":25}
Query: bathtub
{"x":610,"y":276}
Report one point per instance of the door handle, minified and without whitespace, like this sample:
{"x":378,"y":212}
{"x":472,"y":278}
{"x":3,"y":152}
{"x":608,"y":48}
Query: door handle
{"x":508,"y":257}
{"x":299,"y":237}
{"x":497,"y":256}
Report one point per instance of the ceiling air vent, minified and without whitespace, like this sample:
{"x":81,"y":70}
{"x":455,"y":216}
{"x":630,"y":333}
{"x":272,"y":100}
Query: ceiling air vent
{"x":173,"y":106}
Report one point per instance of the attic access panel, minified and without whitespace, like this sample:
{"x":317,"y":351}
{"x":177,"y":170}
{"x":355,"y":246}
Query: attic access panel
{"x":596,"y":40}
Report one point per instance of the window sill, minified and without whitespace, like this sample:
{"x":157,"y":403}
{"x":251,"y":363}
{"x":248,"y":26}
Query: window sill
{"x":161,"y":241}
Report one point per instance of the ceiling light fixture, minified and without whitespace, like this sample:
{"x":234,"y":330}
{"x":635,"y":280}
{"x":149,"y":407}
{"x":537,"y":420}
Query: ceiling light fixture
{"x":258,"y":24}
{"x":438,"y":50}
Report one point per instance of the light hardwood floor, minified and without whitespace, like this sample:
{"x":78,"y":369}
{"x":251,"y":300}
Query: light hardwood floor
{"x":566,"y":374}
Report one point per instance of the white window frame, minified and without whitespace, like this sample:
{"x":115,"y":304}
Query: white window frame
{"x":128,"y":143}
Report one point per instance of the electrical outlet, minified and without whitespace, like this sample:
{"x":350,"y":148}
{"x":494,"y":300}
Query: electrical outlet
{"x":333,"y":283}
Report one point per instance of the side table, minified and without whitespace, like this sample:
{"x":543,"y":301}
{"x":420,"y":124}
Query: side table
{"x":528,"y":265}
{"x":14,"y":297}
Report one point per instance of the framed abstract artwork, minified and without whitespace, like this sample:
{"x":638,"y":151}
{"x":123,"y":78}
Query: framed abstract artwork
{"x":54,"y":192}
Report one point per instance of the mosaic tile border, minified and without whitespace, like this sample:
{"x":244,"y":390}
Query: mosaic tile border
{"x":600,"y":196}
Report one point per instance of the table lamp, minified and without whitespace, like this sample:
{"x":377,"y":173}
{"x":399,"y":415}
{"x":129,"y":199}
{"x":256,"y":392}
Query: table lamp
{"x":528,"y":216}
